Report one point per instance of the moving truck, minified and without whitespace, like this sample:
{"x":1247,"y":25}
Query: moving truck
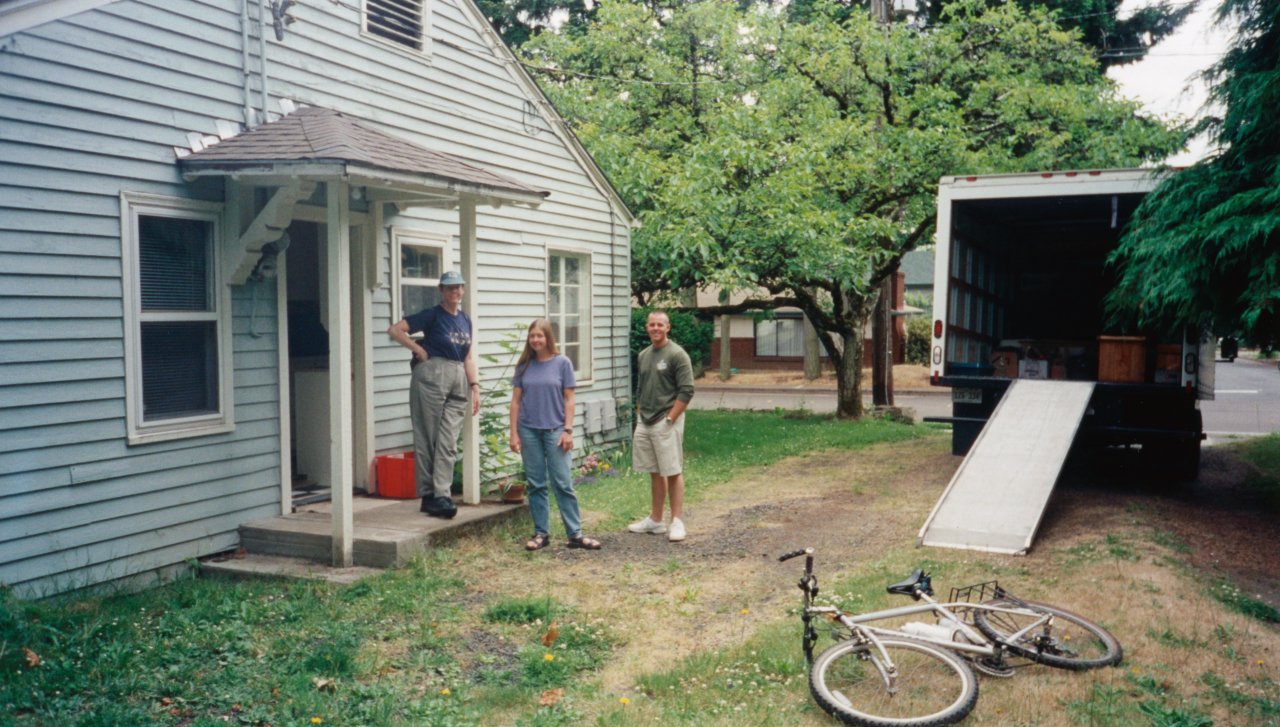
{"x":1019,"y":288}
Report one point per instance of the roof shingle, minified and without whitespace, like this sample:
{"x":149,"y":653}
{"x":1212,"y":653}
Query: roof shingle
{"x":314,"y":134}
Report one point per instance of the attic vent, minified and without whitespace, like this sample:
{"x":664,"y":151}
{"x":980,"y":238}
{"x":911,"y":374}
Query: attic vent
{"x":399,"y":21}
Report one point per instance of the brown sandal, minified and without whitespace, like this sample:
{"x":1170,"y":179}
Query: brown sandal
{"x":583,"y":543}
{"x":538,"y":542}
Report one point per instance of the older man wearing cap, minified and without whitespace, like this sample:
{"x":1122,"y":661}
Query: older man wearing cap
{"x":445,"y":377}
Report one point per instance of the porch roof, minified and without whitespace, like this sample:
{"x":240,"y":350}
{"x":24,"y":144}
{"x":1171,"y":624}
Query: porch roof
{"x":319,"y":143}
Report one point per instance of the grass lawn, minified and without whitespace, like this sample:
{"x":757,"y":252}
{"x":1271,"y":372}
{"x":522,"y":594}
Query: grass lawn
{"x":482,"y":634}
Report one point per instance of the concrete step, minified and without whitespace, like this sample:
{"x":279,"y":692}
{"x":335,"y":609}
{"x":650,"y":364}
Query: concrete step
{"x":249,"y":565}
{"x":386,"y":533}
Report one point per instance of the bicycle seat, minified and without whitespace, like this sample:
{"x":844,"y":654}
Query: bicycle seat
{"x":917,"y":579}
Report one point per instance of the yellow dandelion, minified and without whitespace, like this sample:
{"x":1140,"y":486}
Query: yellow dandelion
{"x":1261,"y":662}
{"x":316,"y":720}
{"x":445,"y":691}
{"x":745,"y":612}
{"x":624,"y":701}
{"x":548,"y":657}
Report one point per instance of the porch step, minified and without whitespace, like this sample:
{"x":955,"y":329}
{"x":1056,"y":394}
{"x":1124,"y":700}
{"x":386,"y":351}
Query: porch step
{"x":248,"y":565}
{"x":386,"y":533}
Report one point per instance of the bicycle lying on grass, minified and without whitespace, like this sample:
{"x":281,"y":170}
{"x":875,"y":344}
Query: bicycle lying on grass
{"x":923,"y":673}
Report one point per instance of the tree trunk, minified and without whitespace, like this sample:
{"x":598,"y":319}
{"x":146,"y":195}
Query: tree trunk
{"x":882,"y":346}
{"x":812,"y":352}
{"x":725,"y":363}
{"x":849,"y":377}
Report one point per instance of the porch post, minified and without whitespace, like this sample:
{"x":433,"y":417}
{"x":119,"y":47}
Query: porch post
{"x":471,"y":427}
{"x":338,"y":275}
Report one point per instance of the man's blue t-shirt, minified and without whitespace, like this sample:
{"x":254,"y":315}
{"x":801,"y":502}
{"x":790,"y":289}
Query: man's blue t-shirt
{"x":443,"y":335}
{"x":542,"y":385}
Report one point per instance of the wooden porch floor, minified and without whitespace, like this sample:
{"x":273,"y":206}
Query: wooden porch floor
{"x":387,"y":533}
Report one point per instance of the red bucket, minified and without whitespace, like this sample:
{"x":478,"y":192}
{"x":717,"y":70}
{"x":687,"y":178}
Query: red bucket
{"x":395,"y":476}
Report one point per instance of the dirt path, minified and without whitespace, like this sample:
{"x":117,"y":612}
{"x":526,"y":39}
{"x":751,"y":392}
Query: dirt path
{"x":672,"y":600}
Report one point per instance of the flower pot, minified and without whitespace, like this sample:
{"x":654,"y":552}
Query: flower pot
{"x":514,"y":493}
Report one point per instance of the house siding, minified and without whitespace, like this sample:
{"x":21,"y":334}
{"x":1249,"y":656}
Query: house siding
{"x":93,"y":105}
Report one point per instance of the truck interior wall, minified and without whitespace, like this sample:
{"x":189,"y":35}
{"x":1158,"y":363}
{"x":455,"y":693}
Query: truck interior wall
{"x":1030,"y":269}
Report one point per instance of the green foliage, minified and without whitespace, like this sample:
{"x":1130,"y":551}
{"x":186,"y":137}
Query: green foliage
{"x":1204,"y":247}
{"x":1233,"y":598}
{"x":691,"y":331}
{"x":521,"y":610}
{"x":1115,"y":40}
{"x":799,"y":161}
{"x":919,"y":338}
{"x":497,"y":461}
{"x":1264,"y":454}
{"x":209,"y":651}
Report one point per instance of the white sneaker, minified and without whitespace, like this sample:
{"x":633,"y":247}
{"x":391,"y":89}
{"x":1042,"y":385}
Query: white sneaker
{"x":677,"y":530}
{"x":647,"y":525}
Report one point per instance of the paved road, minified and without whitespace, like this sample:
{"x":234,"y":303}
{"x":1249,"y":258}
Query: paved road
{"x":818,"y":401}
{"x":1247,"y":400}
{"x":1247,"y":403}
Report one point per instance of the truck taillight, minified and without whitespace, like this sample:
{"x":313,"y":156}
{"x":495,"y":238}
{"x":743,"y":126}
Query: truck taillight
{"x":937,"y":329}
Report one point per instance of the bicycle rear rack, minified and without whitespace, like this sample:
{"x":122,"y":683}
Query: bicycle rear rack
{"x":978,"y":593}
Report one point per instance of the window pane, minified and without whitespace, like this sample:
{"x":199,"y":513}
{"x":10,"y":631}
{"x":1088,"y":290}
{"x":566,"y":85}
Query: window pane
{"x":174,"y":262}
{"x":419,"y":262}
{"x":179,"y":369}
{"x":766,"y":338}
{"x":414,"y":298}
{"x":791,"y":337}
{"x":571,"y":351}
{"x":554,"y":306}
{"x":554,"y":272}
{"x":571,"y":272}
{"x":572,"y":334}
{"x":572,"y":299}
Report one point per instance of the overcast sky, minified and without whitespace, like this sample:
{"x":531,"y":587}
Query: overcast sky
{"x":1165,"y":81}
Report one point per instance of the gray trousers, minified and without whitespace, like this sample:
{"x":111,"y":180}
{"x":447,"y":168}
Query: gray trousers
{"x":438,"y":400}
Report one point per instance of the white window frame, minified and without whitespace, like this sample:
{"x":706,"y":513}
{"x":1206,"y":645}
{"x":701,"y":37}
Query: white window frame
{"x":139,"y":430}
{"x":414,"y":238}
{"x":585,"y":370}
{"x":425,"y":38}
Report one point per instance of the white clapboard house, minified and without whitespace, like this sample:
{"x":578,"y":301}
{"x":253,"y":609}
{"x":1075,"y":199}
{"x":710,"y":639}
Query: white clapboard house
{"x":210,"y":213}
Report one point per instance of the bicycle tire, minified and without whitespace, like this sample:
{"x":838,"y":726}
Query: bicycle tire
{"x":934,"y":686}
{"x":1096,"y":649}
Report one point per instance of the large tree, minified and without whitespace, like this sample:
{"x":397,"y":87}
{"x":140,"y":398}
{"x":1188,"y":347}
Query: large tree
{"x":799,"y":161}
{"x":1204,"y":247}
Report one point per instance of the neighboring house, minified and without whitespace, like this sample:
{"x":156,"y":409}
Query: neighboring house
{"x":777,"y":342}
{"x":917,"y":270}
{"x":205,"y":233}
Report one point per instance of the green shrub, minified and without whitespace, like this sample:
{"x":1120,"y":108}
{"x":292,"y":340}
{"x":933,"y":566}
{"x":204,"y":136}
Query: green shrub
{"x":694,"y":334}
{"x":919,"y":336}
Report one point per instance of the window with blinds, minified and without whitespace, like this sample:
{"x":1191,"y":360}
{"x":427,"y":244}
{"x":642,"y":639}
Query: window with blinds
{"x":782,"y":336}
{"x":403,"y":22}
{"x":176,"y":333}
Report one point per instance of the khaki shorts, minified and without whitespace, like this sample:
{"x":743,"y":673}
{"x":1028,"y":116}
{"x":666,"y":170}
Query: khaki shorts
{"x":659,"y":447}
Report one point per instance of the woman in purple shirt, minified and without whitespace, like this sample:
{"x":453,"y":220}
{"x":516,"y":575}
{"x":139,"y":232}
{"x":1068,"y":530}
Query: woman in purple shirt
{"x":542,"y":433}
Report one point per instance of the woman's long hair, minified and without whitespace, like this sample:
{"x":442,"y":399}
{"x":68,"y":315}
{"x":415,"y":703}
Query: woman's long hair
{"x":528,"y":354}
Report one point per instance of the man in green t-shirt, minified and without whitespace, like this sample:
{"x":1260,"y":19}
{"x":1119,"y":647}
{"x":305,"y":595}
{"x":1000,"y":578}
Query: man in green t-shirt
{"x":663,"y":391}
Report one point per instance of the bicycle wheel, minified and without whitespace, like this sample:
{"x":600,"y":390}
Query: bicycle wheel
{"x":933,"y":686}
{"x":1071,"y":642}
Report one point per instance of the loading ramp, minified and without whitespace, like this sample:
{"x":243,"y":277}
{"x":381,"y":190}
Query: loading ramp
{"x":997,"y":497}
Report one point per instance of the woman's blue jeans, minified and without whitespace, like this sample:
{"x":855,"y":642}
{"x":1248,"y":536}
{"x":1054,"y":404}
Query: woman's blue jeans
{"x":544,"y":461}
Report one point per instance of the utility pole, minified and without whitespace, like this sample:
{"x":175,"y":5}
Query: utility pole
{"x":882,"y":317}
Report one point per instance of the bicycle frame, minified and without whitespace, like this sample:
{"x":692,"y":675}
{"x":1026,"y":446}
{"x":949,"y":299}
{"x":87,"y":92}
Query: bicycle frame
{"x":859,"y":626}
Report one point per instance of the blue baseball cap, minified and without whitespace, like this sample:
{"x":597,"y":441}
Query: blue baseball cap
{"x":453,"y":277}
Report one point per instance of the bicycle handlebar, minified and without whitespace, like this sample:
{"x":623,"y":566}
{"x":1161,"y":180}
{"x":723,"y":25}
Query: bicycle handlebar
{"x":795,"y":554}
